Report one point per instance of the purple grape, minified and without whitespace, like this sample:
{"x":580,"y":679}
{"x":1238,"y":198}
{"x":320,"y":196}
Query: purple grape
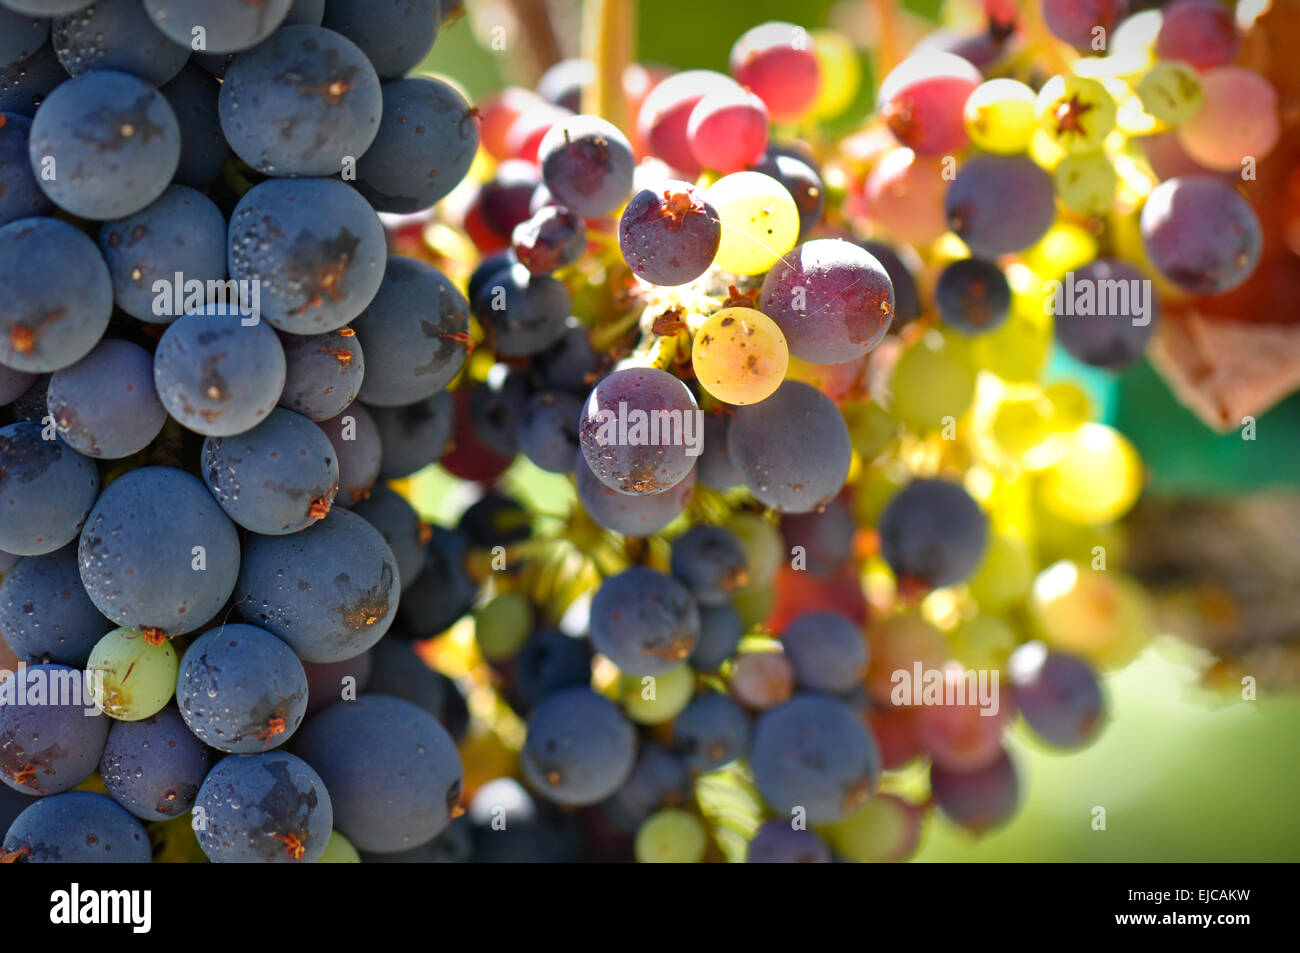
{"x":506,"y":197}
{"x":21,"y":35}
{"x":524,"y":313}
{"x":776,"y":842}
{"x":355,"y":438}
{"x":46,"y":491}
{"x":711,"y":731}
{"x":587,"y":165}
{"x":323,"y":373}
{"x":907,"y":300}
{"x":669,"y":234}
{"x":105,"y":405}
{"x":553,"y":238}
{"x":1058,"y":694}
{"x":1201,"y":234}
{"x":548,"y":430}
{"x":52,"y":740}
{"x":328,"y":682}
{"x":642,"y":515}
{"x":78,"y":827}
{"x":193,"y":95}
{"x":116,"y":35}
{"x":45,"y":614}
{"x":1076,"y":21}
{"x":414,"y":436}
{"x":24,"y":85}
{"x":710,"y":561}
{"x":1115,"y":333}
{"x":579,"y":749}
{"x":645,"y":621}
{"x":658,"y":779}
{"x":933,"y":533}
{"x":715,"y":467}
{"x":825,"y":536}
{"x":20,"y":194}
{"x":154,"y":767}
{"x":828,"y":652}
{"x":979,"y":800}
{"x":721,"y":630}
{"x":399,"y":524}
{"x":1000,"y":204}
{"x":395,"y":35}
{"x":973,"y":295}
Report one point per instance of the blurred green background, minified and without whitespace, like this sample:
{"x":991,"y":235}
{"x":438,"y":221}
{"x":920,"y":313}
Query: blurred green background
{"x":1183,"y":774}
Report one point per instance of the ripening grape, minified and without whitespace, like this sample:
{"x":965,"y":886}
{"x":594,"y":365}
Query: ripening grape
{"x":1077,"y":113}
{"x":984,"y":642}
{"x":898,"y":643}
{"x":933,"y":380}
{"x":1103,"y":617}
{"x":977,"y":800}
{"x":1000,"y":116}
{"x":760,"y":221}
{"x":884,"y":829}
{"x":1003,"y":578}
{"x":1201,"y":32}
{"x":841,"y":73}
{"x":502,"y":625}
{"x":972,"y":296}
{"x":728,"y":129}
{"x":922,"y":99}
{"x":871,"y":428}
{"x":1070,"y":405}
{"x":671,"y":836}
{"x":1097,"y":478}
{"x":906,"y":195}
{"x":1086,"y":182}
{"x":739,"y":355}
{"x":131,"y":679}
{"x":774,"y":60}
{"x":339,"y":850}
{"x":1171,"y":92}
{"x":669,"y":234}
{"x":1084,"y":23}
{"x":655,"y":699}
{"x":1000,"y":204}
{"x":1238,"y":118}
{"x":1058,"y":694}
{"x":764,"y":548}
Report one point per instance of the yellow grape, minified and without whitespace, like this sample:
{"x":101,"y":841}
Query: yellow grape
{"x":984,"y":642}
{"x":760,"y":221}
{"x":740,"y":355}
{"x":1086,"y":182}
{"x":886,"y":828}
{"x":1097,"y":479}
{"x":841,"y":73}
{"x":1021,"y":422}
{"x":1102,"y":616}
{"x":671,"y":836}
{"x":1076,"y":113}
{"x":131,"y":679}
{"x":1070,"y":405}
{"x":655,"y":699}
{"x":933,"y":380}
{"x":754,"y":603}
{"x":1065,"y":247}
{"x":1004,"y":577}
{"x":1171,"y":92}
{"x":1017,"y":350}
{"x":1000,"y":116}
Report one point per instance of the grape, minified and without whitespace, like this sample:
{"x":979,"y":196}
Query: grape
{"x":112,"y":141}
{"x":339,"y":850}
{"x":46,"y":491}
{"x":316,"y":248}
{"x":524,"y":313}
{"x":637,"y":431}
{"x":571,"y":362}
{"x":721,"y":630}
{"x":453,"y":846}
{"x":78,"y":827}
{"x":548,"y":662}
{"x":24,"y":85}
{"x":443,"y":591}
{"x":801,"y":179}
{"x":922,"y":100}
{"x":499,"y":112}
{"x":1097,"y":478}
{"x":502,"y":624}
{"x":400,"y":672}
{"x":659,"y":778}
{"x":828,"y":652}
{"x":495,"y":520}
{"x":776,"y":842}
{"x":1102,"y":617}
{"x":509,"y":826}
{"x":138,"y":558}
{"x":1201,"y":32}
{"x":1058,"y":695}
{"x":587,"y":165}
{"x":130,"y":678}
{"x":640,"y":515}
{"x":1075,"y":112}
{"x":963,"y":735}
{"x":20,"y":195}
{"x":999,"y":116}
{"x":907,"y":300}
{"x":579,"y":750}
{"x":507,"y":196}
{"x":241,"y":690}
{"x":933,"y":534}
{"x":485,"y":271}
{"x":323,"y":373}
{"x":659,"y":699}
{"x":383,"y":750}
{"x":710,"y":562}
{"x":840,"y":71}
{"x":1005,"y":574}
{"x":906,"y":195}
{"x":812,"y":753}
{"x":552,"y":239}
{"x":824,"y":538}
{"x":548,"y":430}
{"x":777,"y":62}
{"x":1171,"y":92}
{"x":671,"y":836}
{"x":833,"y":300}
{"x":14,"y":384}
{"x":1084,"y":23}
{"x":739,"y":355}
{"x":727,"y":129}
{"x":309,"y":12}
{"x":356,"y":442}
{"x":225,"y":27}
{"x":793,"y":448}
{"x":193,"y":95}
{"x":424,"y":147}
{"x":328,"y":682}
{"x":714,"y":466}
{"x":45,"y":613}
{"x":646,"y":622}
{"x":669,"y":234}
{"x":153,"y":767}
{"x":413,"y":436}
{"x":264,"y":808}
{"x":399,"y":524}
{"x":1237,"y":119}
{"x":57,"y":293}
{"x":886,"y":828}
{"x":117,"y":35}
{"x":977,"y":800}
{"x":414,"y":334}
{"x":53,"y":735}
{"x":933,"y":380}
{"x":218,"y":371}
{"x":762,"y":680}
{"x":1113,"y":336}
{"x":711,"y":732}
{"x":759,"y":219}
{"x":330,"y":591}
{"x":495,"y":408}
{"x":20,"y":36}
{"x":563,"y":83}
{"x":1086,"y":182}
{"x":665,"y":115}
{"x":395,"y":35}
{"x":973,"y":296}
{"x":1000,"y":204}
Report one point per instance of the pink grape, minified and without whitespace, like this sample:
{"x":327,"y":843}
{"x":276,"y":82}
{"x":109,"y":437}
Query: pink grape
{"x":777,"y":62}
{"x":728,"y":130}
{"x":922,"y":101}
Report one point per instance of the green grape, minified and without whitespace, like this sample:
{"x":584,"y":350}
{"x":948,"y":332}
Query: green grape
{"x":934,"y":379}
{"x":1000,"y":116}
{"x":841,"y":73}
{"x":754,"y":603}
{"x":984,"y":642}
{"x":877,"y":487}
{"x":1076,"y":113}
{"x":1018,"y":349}
{"x":764,"y":548}
{"x":886,"y":828}
{"x":1171,"y":92}
{"x":671,"y":837}
{"x":1086,"y":182}
{"x":339,"y":850}
{"x":1004,"y":577}
{"x":1097,"y":478}
{"x":1100,"y":615}
{"x":760,"y":221}
{"x":130,"y":679}
{"x":871,"y":428}
{"x":503,"y":625}
{"x":1021,"y":421}
{"x":655,"y":699}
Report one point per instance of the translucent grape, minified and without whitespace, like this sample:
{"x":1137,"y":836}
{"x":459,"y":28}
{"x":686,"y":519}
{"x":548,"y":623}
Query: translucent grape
{"x":1201,"y":32}
{"x":1004,"y":575}
{"x":906,"y":195}
{"x":130,"y":678}
{"x":1238,"y":119}
{"x":1171,"y":92}
{"x":841,"y":73}
{"x":739,"y":355}
{"x":884,"y":829}
{"x":1076,"y":112}
{"x":933,"y":380}
{"x":1097,"y":479}
{"x":775,"y":61}
{"x":760,"y":221}
{"x":728,"y":129}
{"x":671,"y":836}
{"x":1000,"y":116}
{"x":1084,"y":23}
{"x":654,"y":700}
{"x":1086,"y":182}
{"x":1104,"y":617}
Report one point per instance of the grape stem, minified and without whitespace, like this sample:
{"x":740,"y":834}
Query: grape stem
{"x":608,"y":37}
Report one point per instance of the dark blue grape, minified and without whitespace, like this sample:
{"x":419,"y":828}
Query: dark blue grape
{"x":105,"y":405}
{"x":157,"y":552}
{"x":330,"y":682}
{"x":21,"y":35}
{"x":226,"y":27}
{"x":384,"y":751}
{"x":553,"y":238}
{"x":52,"y":732}
{"x":571,"y":362}
{"x":715,"y":466}
{"x":315,"y":247}
{"x":13,"y":384}
{"x":1058,"y":694}
{"x":356,"y":442}
{"x":658,"y":779}
{"x":828,"y":652}
{"x":587,"y":165}
{"x":180,"y":238}
{"x":154,"y":767}
{"x":548,"y":430}
{"x":712,"y":731}
{"x":57,"y":293}
{"x":219,"y":372}
{"x":811,"y":752}
{"x":933,"y":533}
{"x":323,"y":373}
{"x":270,"y":808}
{"x":401,"y":673}
{"x":426,"y":143}
{"x":524,"y":313}
{"x":710,"y":561}
{"x":642,"y":515}
{"x":443,"y":591}
{"x":193,"y":97}
{"x":973,"y":296}
{"x":776,"y":842}
{"x":46,"y":491}
{"x":315,"y":88}
{"x":455,"y":845}
{"x":824,"y":537}
{"x":495,"y":407}
{"x":78,"y":828}
{"x":485,"y":270}
{"x":645,"y":621}
{"x":721,"y":629}
{"x":396,"y":35}
{"x":1115,"y":334}
{"x":116,"y":35}
{"x":241,"y":690}
{"x":24,"y":85}
{"x":280,"y":477}
{"x":801,"y":179}
{"x":495,"y":519}
{"x":20,"y":195}
{"x":579,"y":749}
{"x":111,"y":142}
{"x":979,"y":800}
{"x":509,"y":826}
{"x":1000,"y":204}
{"x":45,"y":614}
{"x":46,"y":8}
{"x":548,"y":662}
{"x":400,"y":526}
{"x":669,"y":234}
{"x":415,"y":435}
{"x":907,"y":300}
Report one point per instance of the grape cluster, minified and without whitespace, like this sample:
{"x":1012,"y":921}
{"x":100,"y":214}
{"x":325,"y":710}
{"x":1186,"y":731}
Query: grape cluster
{"x":825,"y":530}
